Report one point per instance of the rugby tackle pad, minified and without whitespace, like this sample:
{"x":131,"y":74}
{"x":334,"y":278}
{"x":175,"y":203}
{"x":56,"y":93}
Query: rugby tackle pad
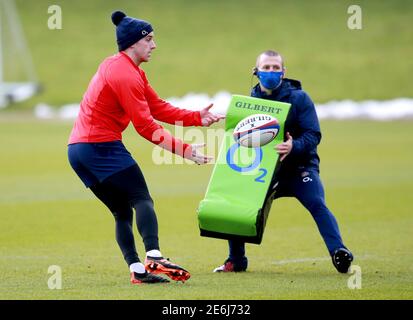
{"x":236,"y":205}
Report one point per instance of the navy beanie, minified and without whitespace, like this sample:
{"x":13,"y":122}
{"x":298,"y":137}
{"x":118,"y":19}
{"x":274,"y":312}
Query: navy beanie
{"x":129,"y":30}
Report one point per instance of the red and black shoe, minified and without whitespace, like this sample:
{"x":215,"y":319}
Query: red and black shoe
{"x":164,"y":266}
{"x":140,"y":278}
{"x":230,"y":266}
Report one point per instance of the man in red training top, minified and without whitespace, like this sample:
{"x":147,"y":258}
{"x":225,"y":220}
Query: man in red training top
{"x":120,"y":93}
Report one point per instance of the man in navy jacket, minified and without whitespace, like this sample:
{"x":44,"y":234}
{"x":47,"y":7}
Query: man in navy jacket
{"x":297,"y":173}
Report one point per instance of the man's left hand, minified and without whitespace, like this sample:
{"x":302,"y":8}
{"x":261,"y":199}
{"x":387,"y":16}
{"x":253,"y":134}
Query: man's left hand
{"x":208,"y":117}
{"x":283,"y":149}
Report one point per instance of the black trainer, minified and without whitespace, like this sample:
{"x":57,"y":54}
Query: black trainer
{"x":342,"y":259}
{"x":139,"y":278}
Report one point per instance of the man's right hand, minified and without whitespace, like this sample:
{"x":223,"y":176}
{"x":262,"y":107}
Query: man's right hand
{"x":208,"y":117}
{"x":192,"y":153}
{"x":284,"y":149}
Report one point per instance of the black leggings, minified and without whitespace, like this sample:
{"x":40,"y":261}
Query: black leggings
{"x":121,"y":193}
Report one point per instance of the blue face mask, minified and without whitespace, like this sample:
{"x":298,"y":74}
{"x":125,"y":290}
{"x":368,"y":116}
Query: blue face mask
{"x":270,"y":79}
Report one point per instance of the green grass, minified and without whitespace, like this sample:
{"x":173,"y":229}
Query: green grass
{"x":209,"y":46}
{"x":49,"y":218}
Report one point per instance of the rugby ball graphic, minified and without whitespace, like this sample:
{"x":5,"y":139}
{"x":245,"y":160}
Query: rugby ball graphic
{"x":256,"y":130}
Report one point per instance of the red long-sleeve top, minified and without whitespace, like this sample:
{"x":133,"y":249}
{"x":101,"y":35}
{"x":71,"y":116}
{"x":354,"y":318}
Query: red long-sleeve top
{"x":119,"y":93}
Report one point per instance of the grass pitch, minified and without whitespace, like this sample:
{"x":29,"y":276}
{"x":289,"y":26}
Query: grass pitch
{"x":49,"y":218}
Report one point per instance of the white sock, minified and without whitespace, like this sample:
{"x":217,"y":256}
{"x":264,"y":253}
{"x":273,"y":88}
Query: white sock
{"x":137,"y":267}
{"x":154,"y":253}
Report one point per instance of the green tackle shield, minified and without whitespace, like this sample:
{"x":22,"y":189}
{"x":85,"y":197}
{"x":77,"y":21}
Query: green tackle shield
{"x":236,"y":205}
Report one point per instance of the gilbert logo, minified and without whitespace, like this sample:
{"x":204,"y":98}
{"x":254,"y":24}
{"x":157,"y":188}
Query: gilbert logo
{"x":144,"y":32}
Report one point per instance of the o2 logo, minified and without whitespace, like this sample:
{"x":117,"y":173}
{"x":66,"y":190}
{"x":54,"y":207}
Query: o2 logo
{"x":255,"y":164}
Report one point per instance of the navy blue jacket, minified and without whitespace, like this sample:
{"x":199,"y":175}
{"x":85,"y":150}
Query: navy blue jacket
{"x":302,"y":124}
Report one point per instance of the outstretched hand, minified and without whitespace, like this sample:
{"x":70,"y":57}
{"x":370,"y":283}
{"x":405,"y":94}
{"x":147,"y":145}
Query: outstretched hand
{"x":208,"y":117}
{"x":283,"y":149}
{"x":195,"y":155}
